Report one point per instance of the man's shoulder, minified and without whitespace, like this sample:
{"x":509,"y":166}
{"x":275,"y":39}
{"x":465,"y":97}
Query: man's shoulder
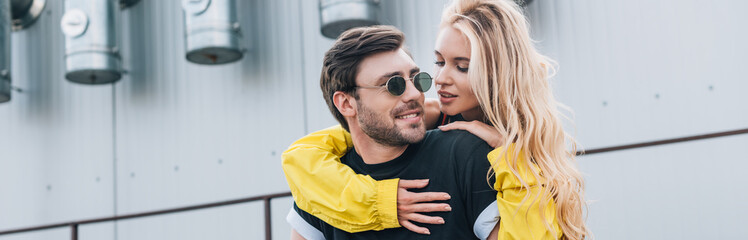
{"x":460,"y":144}
{"x":460,"y":138}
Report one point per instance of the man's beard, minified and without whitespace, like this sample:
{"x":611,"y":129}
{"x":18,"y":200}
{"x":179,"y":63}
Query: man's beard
{"x":385,"y":132}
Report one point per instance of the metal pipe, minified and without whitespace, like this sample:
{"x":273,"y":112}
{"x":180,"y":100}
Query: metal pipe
{"x":662,"y":142}
{"x":336,"y":16}
{"x":25,"y":12}
{"x":148,"y":214}
{"x":268,"y":227}
{"x":74,"y":231}
{"x":5,"y":83}
{"x":91,"y":52}
{"x":212,"y":31}
{"x":127,"y":3}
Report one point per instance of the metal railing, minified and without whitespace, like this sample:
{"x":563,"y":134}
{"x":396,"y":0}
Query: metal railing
{"x":662,"y":142}
{"x":266,"y":198}
{"x":74,"y":225}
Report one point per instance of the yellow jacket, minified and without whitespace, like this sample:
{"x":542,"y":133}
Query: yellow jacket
{"x":332,"y":192}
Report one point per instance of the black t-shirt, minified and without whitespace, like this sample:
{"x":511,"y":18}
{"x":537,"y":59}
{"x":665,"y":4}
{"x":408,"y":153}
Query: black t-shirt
{"x":445,"y":119}
{"x":454,"y":161}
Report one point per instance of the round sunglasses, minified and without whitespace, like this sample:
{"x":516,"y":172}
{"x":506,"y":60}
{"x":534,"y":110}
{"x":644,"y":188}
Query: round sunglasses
{"x":396,"y":85}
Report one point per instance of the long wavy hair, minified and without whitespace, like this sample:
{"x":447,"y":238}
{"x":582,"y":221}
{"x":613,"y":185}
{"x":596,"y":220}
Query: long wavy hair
{"x":510,"y":80}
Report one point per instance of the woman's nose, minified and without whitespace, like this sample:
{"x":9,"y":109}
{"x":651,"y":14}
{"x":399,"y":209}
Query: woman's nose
{"x":441,"y":77}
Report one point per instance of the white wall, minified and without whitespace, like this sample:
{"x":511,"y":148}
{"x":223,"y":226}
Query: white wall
{"x":173,"y":133}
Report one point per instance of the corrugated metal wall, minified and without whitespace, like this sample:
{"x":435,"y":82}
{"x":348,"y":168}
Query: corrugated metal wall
{"x":637,"y":71}
{"x":172,"y":133}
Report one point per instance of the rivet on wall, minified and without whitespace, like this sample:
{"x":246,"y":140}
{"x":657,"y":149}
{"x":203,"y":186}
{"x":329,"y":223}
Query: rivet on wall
{"x":337,"y":16}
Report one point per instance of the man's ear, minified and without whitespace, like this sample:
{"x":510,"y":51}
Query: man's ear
{"x":345,"y":103}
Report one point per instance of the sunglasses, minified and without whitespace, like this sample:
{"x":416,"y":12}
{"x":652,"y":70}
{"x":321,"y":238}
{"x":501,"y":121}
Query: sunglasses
{"x":396,"y":85}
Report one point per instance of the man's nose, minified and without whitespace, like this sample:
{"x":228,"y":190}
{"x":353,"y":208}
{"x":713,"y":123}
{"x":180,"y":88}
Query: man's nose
{"x":411,"y":92}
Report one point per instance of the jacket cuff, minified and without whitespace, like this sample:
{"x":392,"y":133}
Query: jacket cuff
{"x":493,"y":155}
{"x":387,"y":202}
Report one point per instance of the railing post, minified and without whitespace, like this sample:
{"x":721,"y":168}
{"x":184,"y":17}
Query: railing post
{"x":268,"y":228}
{"x":74,"y":231}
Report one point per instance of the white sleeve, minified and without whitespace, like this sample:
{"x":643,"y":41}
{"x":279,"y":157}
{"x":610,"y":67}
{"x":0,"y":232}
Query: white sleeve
{"x":301,"y":226}
{"x":486,"y":221}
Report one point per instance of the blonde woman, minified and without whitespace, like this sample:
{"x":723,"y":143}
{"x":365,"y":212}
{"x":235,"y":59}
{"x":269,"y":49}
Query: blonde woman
{"x":489,"y":74}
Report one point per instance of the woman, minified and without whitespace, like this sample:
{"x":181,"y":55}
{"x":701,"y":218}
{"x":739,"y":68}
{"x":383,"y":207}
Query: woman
{"x":487,"y":71}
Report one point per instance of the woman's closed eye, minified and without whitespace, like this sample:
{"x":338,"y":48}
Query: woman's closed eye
{"x":462,"y":69}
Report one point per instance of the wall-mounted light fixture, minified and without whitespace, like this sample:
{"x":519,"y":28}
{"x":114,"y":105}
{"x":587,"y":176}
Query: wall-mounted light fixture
{"x":212,"y":32}
{"x":5,"y":51}
{"x":336,"y":16}
{"x":25,"y":12}
{"x":91,"y":53}
{"x":127,"y":3}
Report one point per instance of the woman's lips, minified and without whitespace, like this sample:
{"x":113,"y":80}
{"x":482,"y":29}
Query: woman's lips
{"x":446,"y":97}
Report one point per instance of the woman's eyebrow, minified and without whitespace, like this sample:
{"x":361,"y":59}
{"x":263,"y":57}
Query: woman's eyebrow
{"x":456,"y":59}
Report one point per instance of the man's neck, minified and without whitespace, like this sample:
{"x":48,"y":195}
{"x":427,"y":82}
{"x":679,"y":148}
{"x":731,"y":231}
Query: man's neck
{"x":371,"y":151}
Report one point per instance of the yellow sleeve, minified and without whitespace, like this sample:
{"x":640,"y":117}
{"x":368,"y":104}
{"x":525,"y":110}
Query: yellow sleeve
{"x":333,"y":192}
{"x":527,"y":222}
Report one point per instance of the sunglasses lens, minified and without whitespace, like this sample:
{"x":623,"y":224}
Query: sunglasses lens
{"x":422,"y":81}
{"x":396,"y":86}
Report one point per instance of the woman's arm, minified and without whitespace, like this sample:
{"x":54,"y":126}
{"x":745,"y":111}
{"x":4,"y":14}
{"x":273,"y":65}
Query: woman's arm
{"x":432,"y":110}
{"x":334,"y":193}
{"x":521,"y":215}
{"x":296,"y":236}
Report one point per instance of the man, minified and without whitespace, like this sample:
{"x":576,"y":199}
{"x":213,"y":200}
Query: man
{"x":385,"y":119}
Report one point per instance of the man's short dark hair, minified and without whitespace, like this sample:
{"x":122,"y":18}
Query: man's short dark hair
{"x":341,"y":62}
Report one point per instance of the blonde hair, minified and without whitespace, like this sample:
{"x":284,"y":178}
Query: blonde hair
{"x":510,"y":80}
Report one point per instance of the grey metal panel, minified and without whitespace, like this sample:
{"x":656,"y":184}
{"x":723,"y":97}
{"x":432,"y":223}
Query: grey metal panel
{"x":694,"y":190}
{"x":242,"y":221}
{"x":189,"y":134}
{"x":315,"y":45}
{"x":56,"y":138}
{"x":639,"y":71}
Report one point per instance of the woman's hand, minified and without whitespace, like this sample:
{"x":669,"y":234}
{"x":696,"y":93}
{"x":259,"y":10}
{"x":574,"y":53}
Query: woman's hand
{"x":479,"y":129}
{"x":410,"y":205}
